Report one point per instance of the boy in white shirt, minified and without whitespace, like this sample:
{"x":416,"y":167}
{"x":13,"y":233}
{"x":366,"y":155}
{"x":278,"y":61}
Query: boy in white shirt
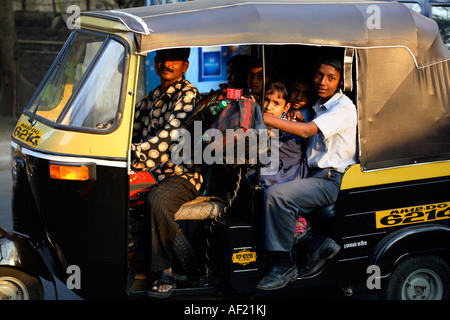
{"x":331,"y":148}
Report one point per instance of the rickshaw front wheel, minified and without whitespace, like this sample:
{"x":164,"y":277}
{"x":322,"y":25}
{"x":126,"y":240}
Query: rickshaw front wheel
{"x":18,"y":285}
{"x":419,"y":278}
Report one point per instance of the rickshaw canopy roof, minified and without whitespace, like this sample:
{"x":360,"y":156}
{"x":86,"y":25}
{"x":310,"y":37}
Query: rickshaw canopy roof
{"x":350,"y":23}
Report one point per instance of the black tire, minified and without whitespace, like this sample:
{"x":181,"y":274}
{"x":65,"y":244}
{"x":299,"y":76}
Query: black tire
{"x":18,"y":285}
{"x":185,"y":260}
{"x":418,"y":278}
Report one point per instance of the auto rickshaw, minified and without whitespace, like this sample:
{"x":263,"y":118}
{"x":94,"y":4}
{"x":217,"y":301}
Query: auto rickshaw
{"x":73,"y":204}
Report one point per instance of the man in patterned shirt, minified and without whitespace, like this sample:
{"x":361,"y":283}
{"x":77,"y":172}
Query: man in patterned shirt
{"x":158,"y":117}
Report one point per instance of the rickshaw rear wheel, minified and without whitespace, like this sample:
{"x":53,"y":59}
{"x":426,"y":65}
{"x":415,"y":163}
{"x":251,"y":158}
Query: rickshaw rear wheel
{"x":18,"y":285}
{"x":418,"y":278}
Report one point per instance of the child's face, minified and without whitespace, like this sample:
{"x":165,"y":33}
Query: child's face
{"x":326,"y":81}
{"x":299,"y":95}
{"x":255,"y":79}
{"x":275,"y":105}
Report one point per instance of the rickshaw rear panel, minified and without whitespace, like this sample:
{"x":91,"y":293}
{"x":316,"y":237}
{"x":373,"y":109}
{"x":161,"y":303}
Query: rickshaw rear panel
{"x":394,"y":207}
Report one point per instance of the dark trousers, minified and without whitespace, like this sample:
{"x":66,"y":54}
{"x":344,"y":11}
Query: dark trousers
{"x":163,"y":202}
{"x":285,"y":201}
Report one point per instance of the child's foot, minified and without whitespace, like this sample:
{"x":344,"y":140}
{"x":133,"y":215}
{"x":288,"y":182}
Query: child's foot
{"x":301,"y":228}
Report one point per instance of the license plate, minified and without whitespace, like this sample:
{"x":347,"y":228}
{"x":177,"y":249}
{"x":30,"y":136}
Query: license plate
{"x":28,"y":134}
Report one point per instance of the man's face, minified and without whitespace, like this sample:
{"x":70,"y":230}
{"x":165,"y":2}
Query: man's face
{"x":326,"y":81}
{"x":169,"y":68}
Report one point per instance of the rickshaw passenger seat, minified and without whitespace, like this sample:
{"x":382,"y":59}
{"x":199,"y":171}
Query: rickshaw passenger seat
{"x":326,"y":212}
{"x":200,"y":208}
{"x":322,"y":220}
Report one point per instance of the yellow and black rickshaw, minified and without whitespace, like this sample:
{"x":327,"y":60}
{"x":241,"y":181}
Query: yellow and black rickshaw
{"x":71,"y":194}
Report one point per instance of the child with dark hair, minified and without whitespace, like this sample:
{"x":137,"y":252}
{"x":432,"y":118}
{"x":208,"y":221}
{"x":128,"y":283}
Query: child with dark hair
{"x":255,"y":77}
{"x":301,"y":98}
{"x":237,"y":69}
{"x":292,"y":161}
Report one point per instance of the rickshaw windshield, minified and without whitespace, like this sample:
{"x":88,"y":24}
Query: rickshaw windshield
{"x":83,"y":87}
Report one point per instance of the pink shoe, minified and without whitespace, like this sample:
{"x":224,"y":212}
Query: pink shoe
{"x":301,"y":228}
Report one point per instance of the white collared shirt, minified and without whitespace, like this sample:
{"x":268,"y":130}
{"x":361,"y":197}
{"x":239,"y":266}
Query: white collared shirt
{"x":335,"y":144}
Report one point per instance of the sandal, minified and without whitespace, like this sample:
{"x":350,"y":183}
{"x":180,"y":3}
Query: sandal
{"x":163,"y":278}
{"x":301,"y":229}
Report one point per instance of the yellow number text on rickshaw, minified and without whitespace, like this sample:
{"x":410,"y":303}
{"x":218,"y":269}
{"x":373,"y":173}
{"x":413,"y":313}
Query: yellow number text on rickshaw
{"x":410,"y":215}
{"x":28,"y":134}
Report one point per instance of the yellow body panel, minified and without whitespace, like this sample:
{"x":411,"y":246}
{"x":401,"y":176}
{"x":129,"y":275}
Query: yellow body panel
{"x":103,"y":25}
{"x":354,"y":177}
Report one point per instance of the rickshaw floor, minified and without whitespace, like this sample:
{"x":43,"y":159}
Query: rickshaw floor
{"x":184,"y":287}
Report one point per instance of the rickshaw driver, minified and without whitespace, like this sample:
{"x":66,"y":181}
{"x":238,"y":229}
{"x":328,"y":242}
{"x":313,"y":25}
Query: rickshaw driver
{"x":157,"y":120}
{"x":331,"y":148}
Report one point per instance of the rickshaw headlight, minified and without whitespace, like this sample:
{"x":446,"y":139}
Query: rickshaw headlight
{"x":79,"y":172}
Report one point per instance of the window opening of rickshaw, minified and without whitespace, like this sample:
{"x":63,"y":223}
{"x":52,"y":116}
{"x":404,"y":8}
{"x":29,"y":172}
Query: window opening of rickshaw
{"x":417,"y":7}
{"x":76,"y":172}
{"x":74,"y":67}
{"x":56,"y":76}
{"x":97,"y":96}
{"x":441,"y":14}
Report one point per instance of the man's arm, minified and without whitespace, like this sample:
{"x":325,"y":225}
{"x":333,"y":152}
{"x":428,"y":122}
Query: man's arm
{"x":157,"y":149}
{"x":300,"y":129}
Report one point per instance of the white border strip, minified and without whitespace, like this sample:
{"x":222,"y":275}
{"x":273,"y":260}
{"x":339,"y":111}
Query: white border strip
{"x":136,"y":18}
{"x":68,"y":159}
{"x":101,"y":14}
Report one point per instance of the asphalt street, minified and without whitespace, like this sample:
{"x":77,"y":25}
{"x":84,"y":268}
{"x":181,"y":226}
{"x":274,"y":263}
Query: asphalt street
{"x":6,"y":128}
{"x":5,"y":200}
